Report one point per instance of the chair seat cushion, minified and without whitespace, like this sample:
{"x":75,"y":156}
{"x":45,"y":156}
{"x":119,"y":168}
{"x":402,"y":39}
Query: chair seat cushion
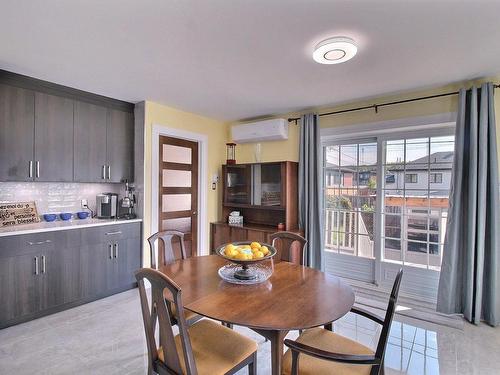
{"x":216,"y":349}
{"x":326,"y":340}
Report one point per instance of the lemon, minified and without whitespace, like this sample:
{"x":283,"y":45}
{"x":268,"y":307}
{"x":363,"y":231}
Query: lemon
{"x":264,"y":250}
{"x":241,"y":256}
{"x":258,"y":255}
{"x":255,"y":244}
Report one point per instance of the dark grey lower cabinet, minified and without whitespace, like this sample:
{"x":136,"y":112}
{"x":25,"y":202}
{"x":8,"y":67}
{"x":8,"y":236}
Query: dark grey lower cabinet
{"x":44,"y":273}
{"x":19,"y":289}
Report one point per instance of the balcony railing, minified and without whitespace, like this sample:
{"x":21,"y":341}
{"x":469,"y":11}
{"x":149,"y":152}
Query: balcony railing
{"x":346,"y":232}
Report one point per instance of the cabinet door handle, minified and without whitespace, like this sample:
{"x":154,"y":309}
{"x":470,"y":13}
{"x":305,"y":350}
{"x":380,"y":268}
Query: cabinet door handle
{"x":37,"y":169}
{"x":30,"y":171}
{"x":111,"y":233}
{"x":116,"y":250}
{"x":43,"y":263}
{"x":36,"y":266}
{"x":103,"y":172}
{"x":109,"y":172}
{"x":110,"y":247}
{"x":39,"y":242}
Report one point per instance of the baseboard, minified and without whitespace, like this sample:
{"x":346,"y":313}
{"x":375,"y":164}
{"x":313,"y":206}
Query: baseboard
{"x":66,"y":306}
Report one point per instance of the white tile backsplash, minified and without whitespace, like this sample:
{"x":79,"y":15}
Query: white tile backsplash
{"x":56,"y":197}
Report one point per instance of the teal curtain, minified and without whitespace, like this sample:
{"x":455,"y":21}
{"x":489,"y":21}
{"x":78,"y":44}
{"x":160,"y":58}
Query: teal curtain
{"x":310,"y":189}
{"x":470,"y":272}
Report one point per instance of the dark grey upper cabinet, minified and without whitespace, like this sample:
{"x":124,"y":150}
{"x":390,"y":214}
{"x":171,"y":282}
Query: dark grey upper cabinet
{"x":17,"y":119}
{"x":90,"y":142}
{"x":54,"y":133}
{"x":53,"y":138}
{"x":120,"y":145}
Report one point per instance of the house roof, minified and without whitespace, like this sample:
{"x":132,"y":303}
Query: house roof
{"x":438,"y":160}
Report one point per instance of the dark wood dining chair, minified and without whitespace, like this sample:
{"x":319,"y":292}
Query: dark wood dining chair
{"x":202,"y":348}
{"x":291,"y":247}
{"x":319,"y":351}
{"x":166,"y":255}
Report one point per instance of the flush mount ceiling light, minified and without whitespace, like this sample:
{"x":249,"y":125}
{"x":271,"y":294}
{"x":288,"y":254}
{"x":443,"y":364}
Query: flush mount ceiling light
{"x":335,"y":50}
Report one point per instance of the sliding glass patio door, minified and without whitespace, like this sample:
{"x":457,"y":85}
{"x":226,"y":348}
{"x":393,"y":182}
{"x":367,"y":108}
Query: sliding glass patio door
{"x":350,"y":186}
{"x":386,"y":207}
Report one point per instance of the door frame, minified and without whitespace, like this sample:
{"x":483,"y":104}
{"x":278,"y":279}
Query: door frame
{"x":202,"y":140}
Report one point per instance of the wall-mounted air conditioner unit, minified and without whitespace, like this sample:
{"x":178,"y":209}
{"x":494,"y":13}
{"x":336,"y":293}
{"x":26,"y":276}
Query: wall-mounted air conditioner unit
{"x":260,"y":131}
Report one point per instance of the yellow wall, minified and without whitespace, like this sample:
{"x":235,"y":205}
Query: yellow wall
{"x":173,"y":118}
{"x":219,"y":133}
{"x":288,"y":150}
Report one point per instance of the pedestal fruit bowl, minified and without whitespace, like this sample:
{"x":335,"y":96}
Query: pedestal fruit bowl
{"x":247,"y":255}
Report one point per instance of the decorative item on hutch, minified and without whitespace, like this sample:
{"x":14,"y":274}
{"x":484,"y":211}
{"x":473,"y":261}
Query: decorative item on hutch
{"x":235,"y":218}
{"x":230,"y":153}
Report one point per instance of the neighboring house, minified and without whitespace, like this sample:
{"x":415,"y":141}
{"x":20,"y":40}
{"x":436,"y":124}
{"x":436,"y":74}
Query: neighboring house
{"x":420,"y":174}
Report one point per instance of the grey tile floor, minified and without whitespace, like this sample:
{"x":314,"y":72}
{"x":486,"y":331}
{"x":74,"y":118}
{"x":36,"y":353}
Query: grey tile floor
{"x":106,"y":337}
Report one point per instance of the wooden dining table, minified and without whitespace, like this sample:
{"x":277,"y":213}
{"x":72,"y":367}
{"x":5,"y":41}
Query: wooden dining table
{"x":294,"y":297}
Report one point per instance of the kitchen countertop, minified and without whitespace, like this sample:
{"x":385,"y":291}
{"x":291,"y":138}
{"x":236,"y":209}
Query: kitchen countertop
{"x":44,"y":226}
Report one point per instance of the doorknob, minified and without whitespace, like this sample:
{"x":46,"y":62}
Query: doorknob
{"x":194,"y":212}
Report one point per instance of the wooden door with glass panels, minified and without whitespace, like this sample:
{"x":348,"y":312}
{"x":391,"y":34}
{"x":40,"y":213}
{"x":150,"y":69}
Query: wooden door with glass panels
{"x":178,"y":190}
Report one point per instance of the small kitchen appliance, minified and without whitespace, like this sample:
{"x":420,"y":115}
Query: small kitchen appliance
{"x":106,"y":205}
{"x":127,"y":203}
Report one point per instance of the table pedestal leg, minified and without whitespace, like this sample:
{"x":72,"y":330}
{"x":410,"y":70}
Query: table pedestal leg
{"x":276,"y":338}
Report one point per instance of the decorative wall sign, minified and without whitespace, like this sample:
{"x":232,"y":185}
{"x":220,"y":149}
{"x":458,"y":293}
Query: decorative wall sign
{"x":18,"y":213}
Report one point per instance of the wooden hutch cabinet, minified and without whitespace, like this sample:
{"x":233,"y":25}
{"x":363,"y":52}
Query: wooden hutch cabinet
{"x":265,"y":194}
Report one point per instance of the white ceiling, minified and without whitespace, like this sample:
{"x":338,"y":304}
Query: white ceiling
{"x":236,"y":59}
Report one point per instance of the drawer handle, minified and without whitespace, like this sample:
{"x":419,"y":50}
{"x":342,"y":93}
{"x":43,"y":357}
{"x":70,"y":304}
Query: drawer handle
{"x":36,"y":266}
{"x":39,"y":242}
{"x":111,"y":233}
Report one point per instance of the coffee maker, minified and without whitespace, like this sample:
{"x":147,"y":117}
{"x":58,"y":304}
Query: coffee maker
{"x":106,"y":205}
{"x":127,"y":203}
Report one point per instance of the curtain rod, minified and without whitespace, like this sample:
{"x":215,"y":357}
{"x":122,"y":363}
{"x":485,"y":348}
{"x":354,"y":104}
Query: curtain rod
{"x":377,"y":106}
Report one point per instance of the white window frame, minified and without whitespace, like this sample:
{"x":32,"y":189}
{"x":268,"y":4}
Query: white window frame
{"x":419,"y":283}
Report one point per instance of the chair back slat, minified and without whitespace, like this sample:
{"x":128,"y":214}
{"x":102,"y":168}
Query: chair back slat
{"x":158,"y":312}
{"x":166,"y":254}
{"x":389,"y":315}
{"x":291,"y":247}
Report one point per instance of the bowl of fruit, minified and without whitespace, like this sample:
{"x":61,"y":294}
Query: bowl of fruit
{"x":246,"y":254}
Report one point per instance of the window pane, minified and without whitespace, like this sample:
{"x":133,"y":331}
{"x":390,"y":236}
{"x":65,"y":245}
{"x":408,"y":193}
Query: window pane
{"x":368,"y":154}
{"x":392,"y":226}
{"x":419,"y":247}
{"x":395,"y":153}
{"x":417,"y":151}
{"x":332,"y":157}
{"x":392,"y":250}
{"x":176,"y":202}
{"x":175,"y":178}
{"x":349,"y":156}
{"x":177,"y":154}
{"x":182,"y":224}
